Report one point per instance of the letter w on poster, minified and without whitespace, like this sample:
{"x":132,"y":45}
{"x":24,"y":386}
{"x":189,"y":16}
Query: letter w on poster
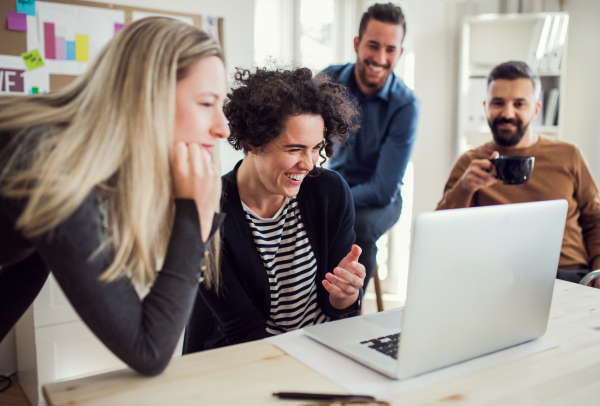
{"x":15,"y":78}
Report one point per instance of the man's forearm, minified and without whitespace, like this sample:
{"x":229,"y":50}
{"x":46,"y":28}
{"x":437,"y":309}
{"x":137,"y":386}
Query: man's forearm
{"x":456,"y":197}
{"x":595,"y":264}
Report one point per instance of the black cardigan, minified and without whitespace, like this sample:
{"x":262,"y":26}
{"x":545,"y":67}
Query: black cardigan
{"x":241,"y":309}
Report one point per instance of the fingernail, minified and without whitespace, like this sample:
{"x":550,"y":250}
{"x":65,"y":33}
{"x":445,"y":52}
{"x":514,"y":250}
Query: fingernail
{"x":337,"y":271}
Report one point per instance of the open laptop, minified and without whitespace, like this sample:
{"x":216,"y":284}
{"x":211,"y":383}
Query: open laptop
{"x":481,"y":280}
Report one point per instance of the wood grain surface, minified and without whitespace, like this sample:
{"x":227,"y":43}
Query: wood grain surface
{"x":248,"y":373}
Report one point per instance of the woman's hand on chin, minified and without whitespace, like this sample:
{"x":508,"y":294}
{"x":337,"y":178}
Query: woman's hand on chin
{"x":346,"y":280}
{"x":195,"y":177}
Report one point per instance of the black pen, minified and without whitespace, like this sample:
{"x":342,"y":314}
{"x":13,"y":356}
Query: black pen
{"x":320,"y":396}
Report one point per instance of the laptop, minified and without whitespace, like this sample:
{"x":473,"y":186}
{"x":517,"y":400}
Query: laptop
{"x":481,"y":280}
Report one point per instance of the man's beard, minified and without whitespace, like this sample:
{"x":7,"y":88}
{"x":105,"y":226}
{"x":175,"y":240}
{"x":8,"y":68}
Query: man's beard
{"x":362,"y":73}
{"x":505,"y":138}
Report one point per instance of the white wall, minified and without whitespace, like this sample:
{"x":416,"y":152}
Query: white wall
{"x":435,"y":27}
{"x":582,"y":110}
{"x":239,"y":51}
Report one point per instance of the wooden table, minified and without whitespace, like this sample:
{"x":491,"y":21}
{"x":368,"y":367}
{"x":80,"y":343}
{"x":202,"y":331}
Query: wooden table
{"x":247,"y":374}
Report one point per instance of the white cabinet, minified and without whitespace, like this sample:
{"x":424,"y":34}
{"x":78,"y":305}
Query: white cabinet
{"x":490,"y":39}
{"x":54,"y":344}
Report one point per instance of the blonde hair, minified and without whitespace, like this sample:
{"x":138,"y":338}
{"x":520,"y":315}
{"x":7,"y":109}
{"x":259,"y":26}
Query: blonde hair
{"x":110,"y":132}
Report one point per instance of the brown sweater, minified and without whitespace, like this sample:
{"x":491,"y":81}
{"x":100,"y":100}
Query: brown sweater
{"x":560,"y":172}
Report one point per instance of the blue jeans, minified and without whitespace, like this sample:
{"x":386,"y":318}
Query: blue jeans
{"x":371,"y":223}
{"x":574,"y":276}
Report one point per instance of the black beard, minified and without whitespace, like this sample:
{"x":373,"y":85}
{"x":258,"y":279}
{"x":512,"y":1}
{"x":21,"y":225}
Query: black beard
{"x":363,"y":76}
{"x":502,"y":137}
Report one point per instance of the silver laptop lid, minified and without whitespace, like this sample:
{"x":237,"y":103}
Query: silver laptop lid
{"x":481,"y":279}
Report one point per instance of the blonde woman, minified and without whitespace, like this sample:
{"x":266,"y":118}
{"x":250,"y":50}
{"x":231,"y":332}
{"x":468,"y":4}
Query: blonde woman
{"x":107,"y":179}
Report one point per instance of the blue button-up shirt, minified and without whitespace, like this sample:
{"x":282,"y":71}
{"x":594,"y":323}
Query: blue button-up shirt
{"x":373,"y":160}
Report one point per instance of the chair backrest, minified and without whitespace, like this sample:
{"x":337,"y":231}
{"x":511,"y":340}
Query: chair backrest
{"x":200,"y":327}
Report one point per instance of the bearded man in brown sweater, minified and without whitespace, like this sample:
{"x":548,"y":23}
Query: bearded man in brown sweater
{"x":560,"y":170}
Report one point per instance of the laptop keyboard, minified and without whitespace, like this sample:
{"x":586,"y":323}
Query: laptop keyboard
{"x":387,"y":345}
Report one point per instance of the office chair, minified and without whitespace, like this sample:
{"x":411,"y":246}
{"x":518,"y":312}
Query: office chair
{"x":378,"y":292}
{"x":199,"y":328}
{"x":590,"y":277}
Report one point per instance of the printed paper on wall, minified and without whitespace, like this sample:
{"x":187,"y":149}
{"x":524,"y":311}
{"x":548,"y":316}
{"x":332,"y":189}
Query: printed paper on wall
{"x":69,"y":37}
{"x":15,"y":78}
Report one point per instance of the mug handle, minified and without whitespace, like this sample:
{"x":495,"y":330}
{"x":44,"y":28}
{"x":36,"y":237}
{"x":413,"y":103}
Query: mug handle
{"x":493,"y":162}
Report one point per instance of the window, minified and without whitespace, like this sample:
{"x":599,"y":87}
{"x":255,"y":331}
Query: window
{"x":267,"y":26}
{"x":297,"y":31}
{"x":316,"y":33}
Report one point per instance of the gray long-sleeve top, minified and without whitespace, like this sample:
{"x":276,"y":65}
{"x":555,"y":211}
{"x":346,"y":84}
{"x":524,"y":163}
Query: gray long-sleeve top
{"x":142,"y":333}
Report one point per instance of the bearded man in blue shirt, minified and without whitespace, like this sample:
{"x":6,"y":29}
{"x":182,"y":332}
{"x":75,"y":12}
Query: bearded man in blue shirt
{"x":374,"y":159}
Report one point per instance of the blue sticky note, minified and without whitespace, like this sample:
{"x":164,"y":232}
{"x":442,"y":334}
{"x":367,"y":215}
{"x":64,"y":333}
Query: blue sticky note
{"x":70,"y":50}
{"x":26,"y":6}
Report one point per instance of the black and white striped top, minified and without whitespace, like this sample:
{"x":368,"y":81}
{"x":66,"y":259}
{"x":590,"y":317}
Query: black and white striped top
{"x":291,"y":266}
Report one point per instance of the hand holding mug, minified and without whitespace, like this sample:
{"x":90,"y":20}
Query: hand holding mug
{"x":195,"y":177}
{"x":479,"y":174}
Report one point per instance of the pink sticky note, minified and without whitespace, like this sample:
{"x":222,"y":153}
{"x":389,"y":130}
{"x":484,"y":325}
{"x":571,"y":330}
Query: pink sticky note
{"x":16,"y":21}
{"x":119,"y":27}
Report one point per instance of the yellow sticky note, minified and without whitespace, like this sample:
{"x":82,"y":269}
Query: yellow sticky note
{"x":32,"y":59}
{"x":81,"y":48}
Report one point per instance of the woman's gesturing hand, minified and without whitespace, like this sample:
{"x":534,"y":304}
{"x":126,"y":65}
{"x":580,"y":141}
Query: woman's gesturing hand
{"x":346,"y":280}
{"x":195,"y":177}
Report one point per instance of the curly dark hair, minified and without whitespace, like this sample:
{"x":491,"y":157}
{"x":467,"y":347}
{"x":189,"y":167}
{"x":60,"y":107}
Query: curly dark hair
{"x":262,"y":101}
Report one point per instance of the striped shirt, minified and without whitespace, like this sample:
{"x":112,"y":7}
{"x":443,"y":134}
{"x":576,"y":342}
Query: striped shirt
{"x":291,"y":267}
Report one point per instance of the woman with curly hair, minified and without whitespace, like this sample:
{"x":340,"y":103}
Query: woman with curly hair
{"x":288,"y":259}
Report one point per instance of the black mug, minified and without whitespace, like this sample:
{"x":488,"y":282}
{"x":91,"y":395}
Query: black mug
{"x":513,"y":170}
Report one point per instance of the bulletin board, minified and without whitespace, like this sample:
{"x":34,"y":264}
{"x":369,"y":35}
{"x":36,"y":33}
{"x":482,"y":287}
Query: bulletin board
{"x":66,"y":57}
